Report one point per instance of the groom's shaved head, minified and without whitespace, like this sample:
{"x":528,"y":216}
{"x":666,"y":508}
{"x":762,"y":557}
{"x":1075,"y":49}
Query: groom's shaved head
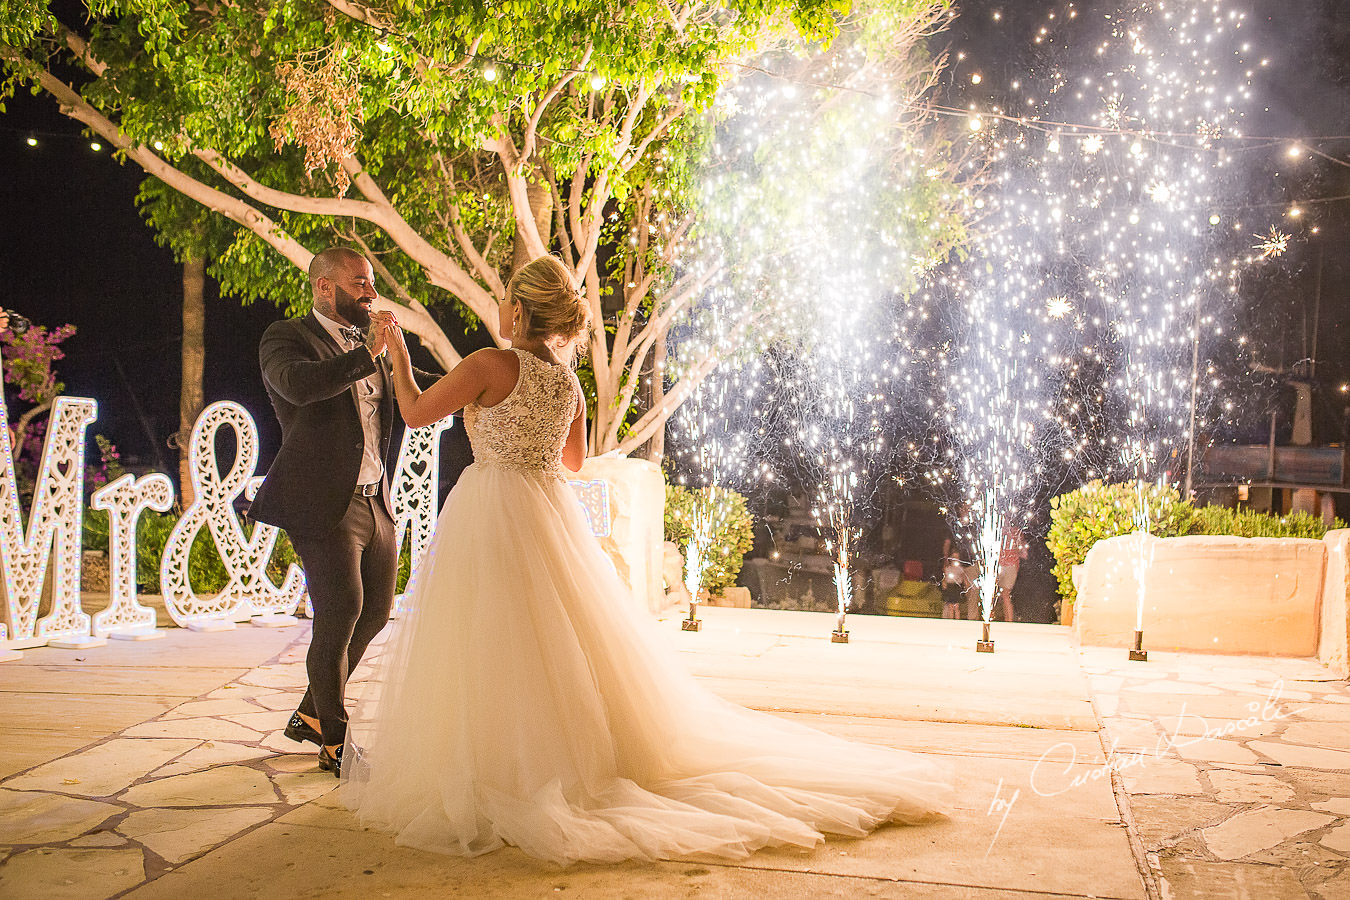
{"x":328,"y":262}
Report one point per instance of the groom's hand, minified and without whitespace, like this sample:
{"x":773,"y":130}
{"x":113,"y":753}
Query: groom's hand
{"x":377,"y":333}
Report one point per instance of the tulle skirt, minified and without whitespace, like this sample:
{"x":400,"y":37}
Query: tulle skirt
{"x":522,"y":701}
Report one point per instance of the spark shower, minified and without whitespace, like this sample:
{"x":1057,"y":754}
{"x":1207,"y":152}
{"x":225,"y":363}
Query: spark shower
{"x":1075,"y":333}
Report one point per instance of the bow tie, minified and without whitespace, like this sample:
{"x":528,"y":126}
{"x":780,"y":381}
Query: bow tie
{"x":354,"y":335}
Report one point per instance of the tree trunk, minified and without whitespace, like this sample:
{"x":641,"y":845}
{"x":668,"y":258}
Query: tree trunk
{"x":655,"y":449}
{"x":541,"y":206}
{"x":191,"y":399}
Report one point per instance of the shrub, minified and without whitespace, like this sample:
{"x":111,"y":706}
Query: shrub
{"x":1097,"y":511}
{"x":1246,"y":523}
{"x":732,"y":535}
{"x":206,"y":570}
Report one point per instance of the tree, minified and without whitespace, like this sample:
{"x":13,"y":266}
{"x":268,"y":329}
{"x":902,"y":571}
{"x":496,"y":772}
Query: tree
{"x":29,"y":358}
{"x":448,"y":139}
{"x":191,"y":397}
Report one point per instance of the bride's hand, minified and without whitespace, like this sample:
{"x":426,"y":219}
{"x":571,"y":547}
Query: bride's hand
{"x":393,"y":337}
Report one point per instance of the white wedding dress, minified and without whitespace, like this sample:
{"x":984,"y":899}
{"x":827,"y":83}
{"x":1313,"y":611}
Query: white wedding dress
{"x":522,"y":701}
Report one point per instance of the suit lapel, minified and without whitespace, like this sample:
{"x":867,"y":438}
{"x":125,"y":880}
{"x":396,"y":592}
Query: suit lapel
{"x":328,"y":348}
{"x":388,"y":402}
{"x":321,"y":340}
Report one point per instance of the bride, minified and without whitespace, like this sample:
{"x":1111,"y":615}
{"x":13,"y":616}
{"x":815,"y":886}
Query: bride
{"x":521,"y":700}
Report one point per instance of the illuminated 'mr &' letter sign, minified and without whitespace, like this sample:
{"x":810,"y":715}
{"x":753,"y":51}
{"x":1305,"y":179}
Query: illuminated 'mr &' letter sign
{"x":55,"y":521}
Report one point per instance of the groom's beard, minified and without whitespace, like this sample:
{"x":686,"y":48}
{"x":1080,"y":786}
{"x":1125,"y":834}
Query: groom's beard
{"x":350,"y":308}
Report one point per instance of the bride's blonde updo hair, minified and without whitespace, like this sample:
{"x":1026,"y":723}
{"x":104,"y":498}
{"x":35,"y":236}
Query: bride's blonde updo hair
{"x":550,"y":304}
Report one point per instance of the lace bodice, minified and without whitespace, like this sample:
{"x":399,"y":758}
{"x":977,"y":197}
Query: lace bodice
{"x":527,"y":430}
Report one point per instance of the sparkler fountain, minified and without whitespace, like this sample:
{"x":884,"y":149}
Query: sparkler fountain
{"x":826,"y":201}
{"x":714,"y":430}
{"x":1102,"y":238}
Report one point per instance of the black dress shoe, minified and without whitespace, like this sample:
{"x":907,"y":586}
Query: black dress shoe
{"x":298,"y":730}
{"x":331,"y":763}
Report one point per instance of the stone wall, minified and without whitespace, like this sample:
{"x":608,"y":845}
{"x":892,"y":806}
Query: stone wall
{"x":1210,"y":593}
{"x":1335,"y":619}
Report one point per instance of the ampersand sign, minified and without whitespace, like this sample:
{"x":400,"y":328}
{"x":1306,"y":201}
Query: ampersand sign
{"x":249,"y":591}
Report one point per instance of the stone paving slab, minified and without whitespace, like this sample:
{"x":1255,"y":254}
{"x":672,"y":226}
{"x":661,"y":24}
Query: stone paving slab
{"x":126,"y":681}
{"x":1057,"y":854}
{"x":357,"y":865}
{"x":104,"y":770}
{"x":242,"y":647}
{"x":1246,"y":787}
{"x":961,"y":737}
{"x":90,"y":713}
{"x":1039,"y":811}
{"x":22,"y":747}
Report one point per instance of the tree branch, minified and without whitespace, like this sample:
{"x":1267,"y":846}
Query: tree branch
{"x":297,"y":203}
{"x":20,"y":429}
{"x":518,"y":191}
{"x":530,"y":135}
{"x":560,"y":219}
{"x":476,"y":259}
{"x":600,"y":190}
{"x":234,"y":209}
{"x":414,"y":313}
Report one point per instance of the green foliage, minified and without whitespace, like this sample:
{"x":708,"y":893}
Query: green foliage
{"x":1097,"y":511}
{"x":607,"y":105}
{"x":732,"y":532}
{"x":205,"y":568}
{"x":1248,"y":523}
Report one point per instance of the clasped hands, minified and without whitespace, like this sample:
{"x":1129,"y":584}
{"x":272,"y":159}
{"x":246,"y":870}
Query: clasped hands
{"x":384,"y":333}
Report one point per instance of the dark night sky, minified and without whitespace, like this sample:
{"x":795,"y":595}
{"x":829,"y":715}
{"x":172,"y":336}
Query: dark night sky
{"x":74,"y":249}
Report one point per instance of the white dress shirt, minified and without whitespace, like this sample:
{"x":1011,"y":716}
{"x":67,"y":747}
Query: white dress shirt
{"x":370,"y":390}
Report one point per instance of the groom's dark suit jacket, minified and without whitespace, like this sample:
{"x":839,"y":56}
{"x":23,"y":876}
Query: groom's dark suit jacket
{"x":312,"y":385}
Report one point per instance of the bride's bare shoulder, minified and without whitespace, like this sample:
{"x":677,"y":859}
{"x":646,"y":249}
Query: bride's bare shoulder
{"x":494,"y":361}
{"x":499,"y":369}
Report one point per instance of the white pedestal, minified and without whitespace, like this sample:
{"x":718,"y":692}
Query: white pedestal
{"x":211,"y":625}
{"x":148,"y":634}
{"x":274,"y":620}
{"x":78,"y":642}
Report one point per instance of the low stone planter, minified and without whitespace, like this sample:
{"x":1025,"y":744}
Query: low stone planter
{"x":1206,"y":593}
{"x":637,"y":501}
{"x":738,"y":597}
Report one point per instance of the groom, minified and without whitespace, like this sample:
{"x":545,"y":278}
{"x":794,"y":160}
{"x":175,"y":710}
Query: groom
{"x":328,"y":379}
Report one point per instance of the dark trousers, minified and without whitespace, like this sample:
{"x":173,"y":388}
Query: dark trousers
{"x":350,"y":573}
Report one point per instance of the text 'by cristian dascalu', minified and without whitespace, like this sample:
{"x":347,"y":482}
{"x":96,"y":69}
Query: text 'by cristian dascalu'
{"x":1053,"y":780}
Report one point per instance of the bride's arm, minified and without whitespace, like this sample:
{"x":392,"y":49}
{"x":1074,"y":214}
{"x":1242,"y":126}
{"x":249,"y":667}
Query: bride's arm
{"x":574,"y":451}
{"x":462,"y":385}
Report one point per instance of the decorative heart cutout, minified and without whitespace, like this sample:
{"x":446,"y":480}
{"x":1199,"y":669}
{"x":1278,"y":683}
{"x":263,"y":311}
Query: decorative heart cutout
{"x":418,"y":467}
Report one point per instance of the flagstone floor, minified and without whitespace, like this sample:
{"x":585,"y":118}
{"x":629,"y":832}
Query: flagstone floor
{"x":159,"y":769}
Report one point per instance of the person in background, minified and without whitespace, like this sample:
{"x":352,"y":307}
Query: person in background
{"x":958,"y":583}
{"x":1012,"y":550}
